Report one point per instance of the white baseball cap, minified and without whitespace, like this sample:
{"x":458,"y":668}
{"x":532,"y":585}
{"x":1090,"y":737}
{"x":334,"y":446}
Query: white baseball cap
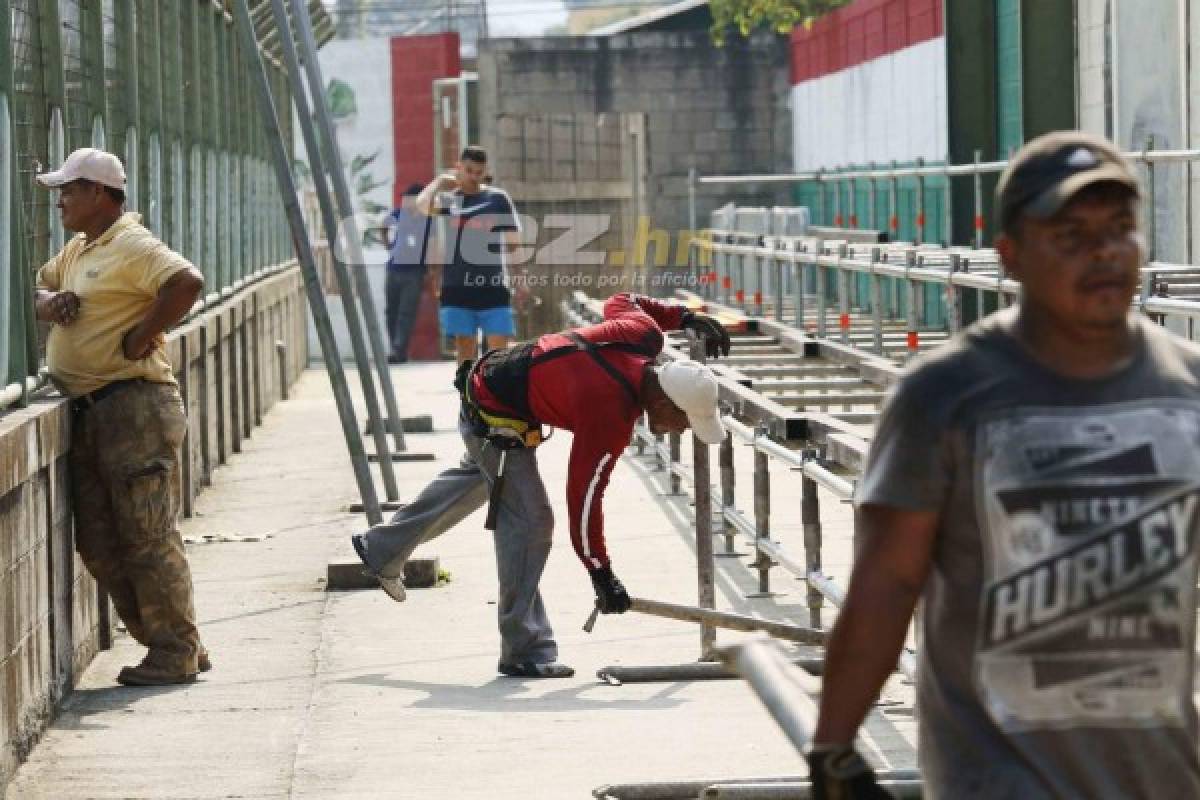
{"x":87,"y":163}
{"x":693,"y":387}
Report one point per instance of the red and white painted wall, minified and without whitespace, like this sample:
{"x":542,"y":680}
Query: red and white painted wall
{"x":381,"y":93}
{"x":869,"y":85}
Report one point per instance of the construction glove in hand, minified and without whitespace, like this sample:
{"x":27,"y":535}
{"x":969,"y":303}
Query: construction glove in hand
{"x":712,"y":333}
{"x":839,"y":773}
{"x":611,"y":597}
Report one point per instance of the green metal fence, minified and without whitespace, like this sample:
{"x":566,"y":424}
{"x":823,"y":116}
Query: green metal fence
{"x":162,"y":84}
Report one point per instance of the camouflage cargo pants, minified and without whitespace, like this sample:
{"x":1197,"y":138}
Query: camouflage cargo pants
{"x":125,"y":484}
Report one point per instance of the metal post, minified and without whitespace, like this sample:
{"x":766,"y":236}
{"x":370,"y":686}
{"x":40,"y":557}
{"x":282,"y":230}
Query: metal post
{"x":760,"y":262}
{"x":798,"y":282}
{"x":820,"y":197}
{"x":837,"y":203}
{"x":871,"y":205}
{"x":910,"y":311}
{"x":705,"y":566}
{"x":843,"y":294}
{"x":674,"y":448}
{"x":953,"y":299}
{"x":741,"y":280}
{"x":693,"y":267}
{"x":893,"y":204}
{"x":692,"y":200}
{"x":822,"y":302}
{"x":316,"y":83}
{"x":762,"y":515}
{"x":329,"y":218}
{"x":920,"y":204}
{"x":977,"y":222}
{"x":810,"y":518}
{"x":727,"y":280}
{"x":777,"y":273}
{"x":1151,"y":216}
{"x":728,"y":495}
{"x":308,"y":265}
{"x":947,"y":211}
{"x":876,"y":300}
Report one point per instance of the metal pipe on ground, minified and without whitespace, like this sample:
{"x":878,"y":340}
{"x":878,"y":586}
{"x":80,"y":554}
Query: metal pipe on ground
{"x":720,"y":619}
{"x":901,"y":788}
{"x":699,"y":671}
{"x":674,"y":790}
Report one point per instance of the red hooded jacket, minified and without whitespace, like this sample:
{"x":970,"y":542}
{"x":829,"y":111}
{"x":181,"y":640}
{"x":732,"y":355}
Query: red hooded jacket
{"x":574,"y":393}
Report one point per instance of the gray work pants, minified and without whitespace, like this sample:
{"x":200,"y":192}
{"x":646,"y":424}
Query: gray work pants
{"x":524,"y":526}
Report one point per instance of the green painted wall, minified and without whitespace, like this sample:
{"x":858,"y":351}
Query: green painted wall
{"x":1048,"y":49}
{"x":971,"y":99}
{"x":1009,"y":125}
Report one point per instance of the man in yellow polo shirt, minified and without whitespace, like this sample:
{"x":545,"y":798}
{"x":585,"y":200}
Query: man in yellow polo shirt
{"x":111,"y":293}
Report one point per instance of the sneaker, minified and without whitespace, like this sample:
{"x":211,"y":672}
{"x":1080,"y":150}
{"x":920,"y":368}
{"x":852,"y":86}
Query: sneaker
{"x":145,"y":674}
{"x":531,"y":669}
{"x":393,"y":586}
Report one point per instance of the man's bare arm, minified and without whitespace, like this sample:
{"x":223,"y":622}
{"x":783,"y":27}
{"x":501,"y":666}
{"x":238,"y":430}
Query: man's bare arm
{"x":174,"y":300}
{"x":442,"y":183}
{"x":889,"y":574}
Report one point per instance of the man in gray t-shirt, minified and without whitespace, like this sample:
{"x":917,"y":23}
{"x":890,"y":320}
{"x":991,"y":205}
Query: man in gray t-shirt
{"x":1036,"y":484}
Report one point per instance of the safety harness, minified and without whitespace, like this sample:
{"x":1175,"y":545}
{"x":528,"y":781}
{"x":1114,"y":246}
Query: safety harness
{"x":506,"y":374}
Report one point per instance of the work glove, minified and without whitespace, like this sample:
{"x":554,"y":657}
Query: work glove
{"x":840,"y":773}
{"x":712,"y":333}
{"x":611,"y":597}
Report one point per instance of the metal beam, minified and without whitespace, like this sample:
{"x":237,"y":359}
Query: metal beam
{"x":308,"y":264}
{"x":345,"y":206}
{"x":329,"y":218}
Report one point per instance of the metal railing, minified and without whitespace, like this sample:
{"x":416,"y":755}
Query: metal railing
{"x":773,"y":432}
{"x":840,"y":210}
{"x":164,"y":87}
{"x":805,"y":280}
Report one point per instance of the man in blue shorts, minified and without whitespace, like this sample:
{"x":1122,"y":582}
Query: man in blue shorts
{"x":483,"y":225}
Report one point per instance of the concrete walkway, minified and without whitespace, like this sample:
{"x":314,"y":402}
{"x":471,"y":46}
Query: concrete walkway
{"x":321,"y":694}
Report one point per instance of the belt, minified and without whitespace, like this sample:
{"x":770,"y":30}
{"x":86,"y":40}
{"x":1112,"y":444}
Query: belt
{"x":503,"y":431}
{"x":86,"y":401}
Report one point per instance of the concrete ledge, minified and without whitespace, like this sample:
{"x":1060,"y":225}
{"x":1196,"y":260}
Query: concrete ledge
{"x":55,"y":619}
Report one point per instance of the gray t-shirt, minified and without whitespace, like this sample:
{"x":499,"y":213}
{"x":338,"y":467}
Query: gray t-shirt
{"x":1057,"y":628}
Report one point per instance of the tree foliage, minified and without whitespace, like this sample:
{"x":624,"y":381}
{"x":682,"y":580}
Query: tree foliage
{"x":743,"y":16}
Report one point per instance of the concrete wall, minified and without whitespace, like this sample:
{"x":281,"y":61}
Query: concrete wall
{"x":53,"y":620}
{"x":723,"y":110}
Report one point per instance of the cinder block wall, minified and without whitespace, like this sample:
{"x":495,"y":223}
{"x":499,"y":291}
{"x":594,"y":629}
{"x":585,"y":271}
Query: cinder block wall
{"x":722,"y":110}
{"x":52,"y":618}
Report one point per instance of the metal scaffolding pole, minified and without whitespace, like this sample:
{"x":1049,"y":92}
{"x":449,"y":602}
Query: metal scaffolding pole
{"x":308,"y":48}
{"x":329,"y":218}
{"x":308,"y":263}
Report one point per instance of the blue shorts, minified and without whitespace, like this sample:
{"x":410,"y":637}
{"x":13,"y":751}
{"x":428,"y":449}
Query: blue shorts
{"x":458,"y":321}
